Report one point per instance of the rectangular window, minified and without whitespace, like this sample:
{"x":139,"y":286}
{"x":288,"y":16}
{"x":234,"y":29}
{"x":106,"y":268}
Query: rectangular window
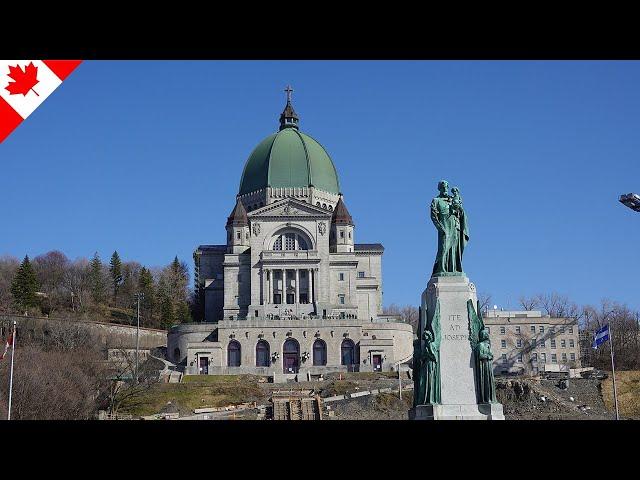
{"x":519,"y":343}
{"x":553,"y":343}
{"x":572,"y":356}
{"x":504,"y":358}
{"x":502,"y":330}
{"x":570,"y":329}
{"x":518,"y":329}
{"x":533,"y":329}
{"x":534,"y":357}
{"x":360,"y":274}
{"x":554,"y":358}
{"x":541,"y":343}
{"x":564,"y":357}
{"x":255,"y":313}
{"x":562,"y":329}
{"x":552,"y":329}
{"x":563,"y":343}
{"x":503,"y":343}
{"x":341,"y":276}
{"x":341,"y":233}
{"x":541,"y":329}
{"x":543,"y":357}
{"x":341,"y":299}
{"x":533,"y":343}
{"x":520,"y":358}
{"x":572,"y":344}
{"x":277,"y":298}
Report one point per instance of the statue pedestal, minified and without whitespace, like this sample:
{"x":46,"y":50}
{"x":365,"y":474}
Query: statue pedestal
{"x":482,"y":411}
{"x":457,"y":379}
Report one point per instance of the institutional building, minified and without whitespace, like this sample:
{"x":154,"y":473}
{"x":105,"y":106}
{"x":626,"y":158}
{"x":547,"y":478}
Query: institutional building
{"x":523,"y":342}
{"x":291,"y":291}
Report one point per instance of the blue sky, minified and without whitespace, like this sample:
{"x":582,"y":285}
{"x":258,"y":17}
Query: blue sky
{"x":145,"y":157}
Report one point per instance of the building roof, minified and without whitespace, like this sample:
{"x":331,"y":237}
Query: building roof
{"x":289,"y":158}
{"x":238,"y":217}
{"x":368,"y":246}
{"x":341,"y":215}
{"x":213,"y":248}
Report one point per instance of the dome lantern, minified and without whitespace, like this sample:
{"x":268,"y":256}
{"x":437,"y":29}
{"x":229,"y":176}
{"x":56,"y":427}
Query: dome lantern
{"x":288,"y":117}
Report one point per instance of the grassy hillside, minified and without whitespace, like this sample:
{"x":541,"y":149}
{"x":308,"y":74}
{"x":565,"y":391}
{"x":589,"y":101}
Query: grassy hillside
{"x":628,"y":387}
{"x":200,"y":391}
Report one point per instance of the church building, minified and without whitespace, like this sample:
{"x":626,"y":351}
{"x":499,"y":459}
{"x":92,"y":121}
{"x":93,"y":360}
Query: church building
{"x":291,"y":292}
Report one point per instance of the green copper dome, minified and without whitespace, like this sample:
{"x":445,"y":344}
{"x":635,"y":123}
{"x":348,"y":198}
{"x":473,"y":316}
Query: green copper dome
{"x":289,"y":158}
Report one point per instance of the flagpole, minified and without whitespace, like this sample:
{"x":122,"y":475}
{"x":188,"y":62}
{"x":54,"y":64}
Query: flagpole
{"x":13,"y":352}
{"x":613,"y":372}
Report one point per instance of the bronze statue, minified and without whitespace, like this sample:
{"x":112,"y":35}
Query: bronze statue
{"x":426,"y":359}
{"x":483,"y":357}
{"x":449,"y":218}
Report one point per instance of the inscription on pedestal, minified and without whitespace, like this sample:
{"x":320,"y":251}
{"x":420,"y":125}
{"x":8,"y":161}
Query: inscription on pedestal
{"x":456,"y":328}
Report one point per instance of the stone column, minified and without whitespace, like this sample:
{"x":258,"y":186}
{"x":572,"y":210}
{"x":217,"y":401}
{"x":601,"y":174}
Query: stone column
{"x":283,"y":287}
{"x":309,"y":291}
{"x":297,"y":277}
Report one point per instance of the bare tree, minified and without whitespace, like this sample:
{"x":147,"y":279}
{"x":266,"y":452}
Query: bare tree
{"x":485,"y":301}
{"x":51,"y":385}
{"x":123,"y":388}
{"x":8,"y":267}
{"x":528,"y":303}
{"x":407,"y":313}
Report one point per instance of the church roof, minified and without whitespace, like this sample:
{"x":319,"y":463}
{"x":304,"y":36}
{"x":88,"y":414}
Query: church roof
{"x":289,"y":158}
{"x":358,"y":247}
{"x":341,"y":215}
{"x":238,"y":217}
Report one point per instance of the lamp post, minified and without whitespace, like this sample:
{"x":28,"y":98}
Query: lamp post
{"x":631,"y":200}
{"x":139,"y":296}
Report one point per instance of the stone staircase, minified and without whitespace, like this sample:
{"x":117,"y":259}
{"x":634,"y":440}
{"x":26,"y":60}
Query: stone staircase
{"x":296,"y":405}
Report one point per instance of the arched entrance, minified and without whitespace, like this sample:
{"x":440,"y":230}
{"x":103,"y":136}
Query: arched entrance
{"x":319,"y":353}
{"x":262,"y":354}
{"x":290,"y":356}
{"x":233,"y":354}
{"x":348,"y":351}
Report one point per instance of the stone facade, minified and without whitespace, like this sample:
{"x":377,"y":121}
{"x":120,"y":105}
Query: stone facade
{"x":290,"y":283}
{"x":524,"y":341}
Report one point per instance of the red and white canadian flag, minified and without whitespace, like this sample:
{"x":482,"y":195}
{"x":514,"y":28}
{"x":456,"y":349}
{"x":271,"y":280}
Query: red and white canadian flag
{"x":7,"y":346}
{"x":24,"y":85}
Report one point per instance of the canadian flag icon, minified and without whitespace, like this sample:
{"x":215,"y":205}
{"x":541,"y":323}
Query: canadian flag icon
{"x":24,"y":85}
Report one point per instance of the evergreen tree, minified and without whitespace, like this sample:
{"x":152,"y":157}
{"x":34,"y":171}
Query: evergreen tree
{"x":147,"y":287}
{"x":25,"y":286}
{"x":183,"y":314}
{"x":96,"y":279}
{"x":167,"y":316}
{"x":115,"y":268}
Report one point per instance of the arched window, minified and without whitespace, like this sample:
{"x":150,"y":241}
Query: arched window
{"x":290,"y":241}
{"x":348,"y":351}
{"x":317,"y":204}
{"x":176,"y":354}
{"x":324,"y":205}
{"x":319,"y":353}
{"x":330,"y":208}
{"x":233,"y":354}
{"x":263,"y":357}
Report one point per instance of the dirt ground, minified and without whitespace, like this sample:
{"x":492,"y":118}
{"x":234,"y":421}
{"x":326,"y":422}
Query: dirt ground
{"x":522,"y":398}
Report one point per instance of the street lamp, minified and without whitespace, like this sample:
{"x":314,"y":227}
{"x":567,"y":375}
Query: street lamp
{"x":139,"y":296}
{"x":631,"y":200}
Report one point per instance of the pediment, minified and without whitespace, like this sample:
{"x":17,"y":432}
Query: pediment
{"x":290,"y":208}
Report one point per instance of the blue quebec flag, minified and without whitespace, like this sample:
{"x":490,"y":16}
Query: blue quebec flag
{"x":601,"y":336}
